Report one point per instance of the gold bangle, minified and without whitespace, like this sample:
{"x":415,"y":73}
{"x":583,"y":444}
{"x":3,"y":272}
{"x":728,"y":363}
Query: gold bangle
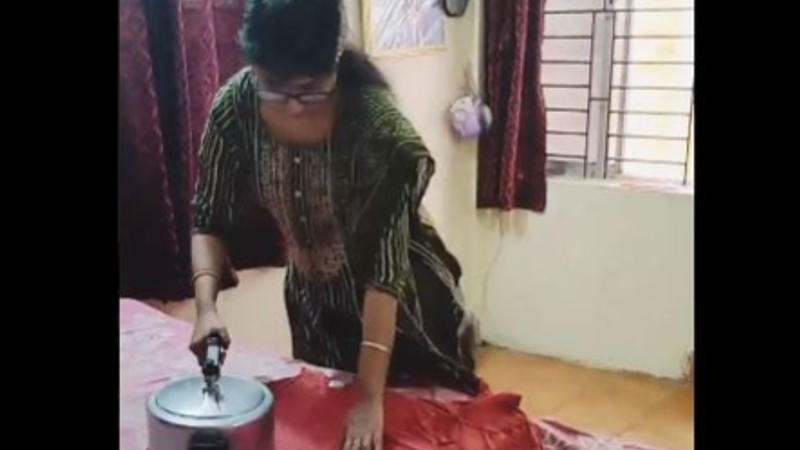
{"x":376,"y":346}
{"x":202,"y":272}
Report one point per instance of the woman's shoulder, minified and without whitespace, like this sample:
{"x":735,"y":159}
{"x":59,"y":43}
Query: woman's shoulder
{"x":376,"y":102}
{"x":386,"y":137}
{"x":380,"y":118}
{"x":234,"y":98}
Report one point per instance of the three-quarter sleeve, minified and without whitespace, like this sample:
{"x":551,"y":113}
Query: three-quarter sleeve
{"x":214,"y":199}
{"x":398,"y":199}
{"x":391,"y":264}
{"x":391,"y":171}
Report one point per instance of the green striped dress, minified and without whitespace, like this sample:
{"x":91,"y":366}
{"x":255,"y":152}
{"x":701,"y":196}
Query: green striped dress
{"x":349,"y":212}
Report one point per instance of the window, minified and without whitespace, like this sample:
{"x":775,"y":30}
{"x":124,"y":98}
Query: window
{"x":618,"y":79}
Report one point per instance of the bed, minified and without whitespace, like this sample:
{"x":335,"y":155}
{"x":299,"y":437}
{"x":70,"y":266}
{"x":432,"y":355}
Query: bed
{"x":153,"y":350}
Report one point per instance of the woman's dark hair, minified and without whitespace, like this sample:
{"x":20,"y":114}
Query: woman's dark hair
{"x":302,"y":38}
{"x":356,"y":70}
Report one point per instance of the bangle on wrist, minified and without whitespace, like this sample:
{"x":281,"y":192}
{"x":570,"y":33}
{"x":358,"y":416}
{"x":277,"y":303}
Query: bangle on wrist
{"x":204,"y":272}
{"x":376,"y":346}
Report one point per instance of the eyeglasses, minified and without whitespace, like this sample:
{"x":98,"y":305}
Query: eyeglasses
{"x":305,"y":98}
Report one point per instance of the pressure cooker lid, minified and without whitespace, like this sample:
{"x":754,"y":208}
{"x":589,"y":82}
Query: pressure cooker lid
{"x":187,"y":398}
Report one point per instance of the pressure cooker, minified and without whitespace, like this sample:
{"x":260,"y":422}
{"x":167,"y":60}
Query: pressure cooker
{"x":211,"y":412}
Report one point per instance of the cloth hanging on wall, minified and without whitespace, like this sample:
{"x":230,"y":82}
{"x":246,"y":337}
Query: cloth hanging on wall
{"x":511,"y":162}
{"x":174,"y":55}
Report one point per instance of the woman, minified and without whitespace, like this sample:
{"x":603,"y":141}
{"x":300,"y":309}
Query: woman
{"x":310,"y":133}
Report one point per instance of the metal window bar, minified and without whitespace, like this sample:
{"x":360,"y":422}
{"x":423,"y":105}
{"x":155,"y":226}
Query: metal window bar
{"x":566,"y":61}
{"x":655,"y":137}
{"x":566,"y":133}
{"x":611,"y":8}
{"x":566,"y":86}
{"x":648,"y":161}
{"x":564,"y":156}
{"x":623,"y":88}
{"x":649,"y":113}
{"x":569,"y":110}
{"x":689,"y":138}
{"x":655,"y":36}
{"x":568,"y":36}
{"x":584,"y":158}
{"x":604,"y":155}
{"x":659,"y":63}
{"x":587,"y":124}
{"x":612,"y":46}
{"x":653,"y":88}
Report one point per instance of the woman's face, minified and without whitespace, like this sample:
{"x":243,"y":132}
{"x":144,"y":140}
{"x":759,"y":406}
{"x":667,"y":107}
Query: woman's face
{"x":294,"y":96}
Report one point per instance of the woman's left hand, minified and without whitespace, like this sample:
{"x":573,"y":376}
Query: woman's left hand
{"x":365,"y":425}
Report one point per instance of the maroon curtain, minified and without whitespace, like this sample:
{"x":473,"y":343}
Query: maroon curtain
{"x":174,"y":55}
{"x":511,"y":162}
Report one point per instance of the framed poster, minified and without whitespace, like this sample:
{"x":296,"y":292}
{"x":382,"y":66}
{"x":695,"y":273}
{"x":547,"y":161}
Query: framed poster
{"x":402,"y":27}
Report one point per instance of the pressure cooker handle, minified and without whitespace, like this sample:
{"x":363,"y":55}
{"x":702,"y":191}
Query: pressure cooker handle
{"x":215,"y":356}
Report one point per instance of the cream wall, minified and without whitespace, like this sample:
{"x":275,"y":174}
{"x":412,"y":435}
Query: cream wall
{"x":425,"y":86}
{"x":604,"y":277}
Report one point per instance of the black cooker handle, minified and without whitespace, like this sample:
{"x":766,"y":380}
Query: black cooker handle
{"x":215,"y":356}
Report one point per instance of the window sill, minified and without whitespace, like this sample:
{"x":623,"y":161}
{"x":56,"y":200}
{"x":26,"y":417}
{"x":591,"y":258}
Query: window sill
{"x":628,"y":184}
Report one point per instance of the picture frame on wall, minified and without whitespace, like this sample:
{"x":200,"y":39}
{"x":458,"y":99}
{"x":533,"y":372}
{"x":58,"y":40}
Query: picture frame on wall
{"x":403,"y":27}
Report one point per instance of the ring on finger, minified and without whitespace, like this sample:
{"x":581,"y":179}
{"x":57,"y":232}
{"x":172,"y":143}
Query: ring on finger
{"x":353,"y":443}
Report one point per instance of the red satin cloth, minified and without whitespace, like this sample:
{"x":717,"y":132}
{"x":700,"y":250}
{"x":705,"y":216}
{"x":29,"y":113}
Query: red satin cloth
{"x":311,"y":415}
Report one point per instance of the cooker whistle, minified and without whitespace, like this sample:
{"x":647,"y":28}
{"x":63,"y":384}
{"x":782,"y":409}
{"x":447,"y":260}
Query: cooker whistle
{"x":212,"y":366}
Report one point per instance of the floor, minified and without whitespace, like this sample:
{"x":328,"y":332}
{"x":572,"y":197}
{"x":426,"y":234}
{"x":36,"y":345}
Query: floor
{"x":634,"y":407}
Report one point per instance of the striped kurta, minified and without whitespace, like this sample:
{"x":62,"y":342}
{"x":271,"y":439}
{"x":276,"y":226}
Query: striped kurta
{"x":349,"y":212}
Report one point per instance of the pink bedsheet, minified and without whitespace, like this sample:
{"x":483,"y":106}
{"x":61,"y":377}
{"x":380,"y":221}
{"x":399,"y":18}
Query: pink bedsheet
{"x":153,"y":350}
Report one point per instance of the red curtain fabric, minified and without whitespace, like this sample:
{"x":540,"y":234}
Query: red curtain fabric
{"x":174,"y":55}
{"x":511,"y":163}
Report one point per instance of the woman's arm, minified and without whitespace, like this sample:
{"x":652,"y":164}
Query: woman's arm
{"x":380,"y":318}
{"x":213,"y":206}
{"x":390,"y":270}
{"x":365,"y":421}
{"x":209,"y":265}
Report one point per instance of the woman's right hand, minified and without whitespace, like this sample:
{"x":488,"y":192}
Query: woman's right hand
{"x":208,"y":322}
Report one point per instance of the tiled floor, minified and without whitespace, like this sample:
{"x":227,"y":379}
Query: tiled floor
{"x":636,"y":407}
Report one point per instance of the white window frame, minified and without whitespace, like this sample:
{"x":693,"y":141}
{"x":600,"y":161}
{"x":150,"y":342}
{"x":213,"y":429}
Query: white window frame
{"x":597,"y":161}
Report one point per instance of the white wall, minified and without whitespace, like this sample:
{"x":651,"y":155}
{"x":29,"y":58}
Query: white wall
{"x":604,"y":277}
